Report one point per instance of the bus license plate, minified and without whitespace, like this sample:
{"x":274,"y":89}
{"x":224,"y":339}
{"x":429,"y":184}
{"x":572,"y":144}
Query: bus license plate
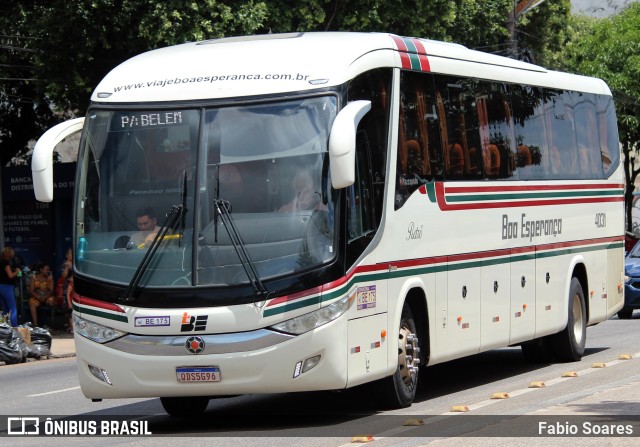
{"x":198,"y":374}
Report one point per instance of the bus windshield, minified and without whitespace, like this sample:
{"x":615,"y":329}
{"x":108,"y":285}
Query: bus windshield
{"x":251,"y":182}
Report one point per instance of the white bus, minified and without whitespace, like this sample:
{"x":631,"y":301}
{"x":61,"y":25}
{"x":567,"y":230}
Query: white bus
{"x":335,"y":209}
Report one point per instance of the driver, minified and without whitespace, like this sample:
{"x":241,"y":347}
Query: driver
{"x":147,"y":226}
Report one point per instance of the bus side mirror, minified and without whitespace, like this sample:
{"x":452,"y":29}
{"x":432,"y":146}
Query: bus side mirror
{"x":342,"y":143}
{"x":42,"y":159}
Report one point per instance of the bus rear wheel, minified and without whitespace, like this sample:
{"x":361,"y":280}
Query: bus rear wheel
{"x":569,"y":344}
{"x":183,"y":407}
{"x":399,"y":390}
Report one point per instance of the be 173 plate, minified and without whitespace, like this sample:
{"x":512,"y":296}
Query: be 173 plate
{"x":198,"y":374}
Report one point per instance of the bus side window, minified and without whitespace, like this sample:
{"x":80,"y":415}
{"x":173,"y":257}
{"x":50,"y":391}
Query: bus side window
{"x":563,"y":151}
{"x":587,"y":136}
{"x":359,"y":212}
{"x":608,"y":131}
{"x":496,"y":130}
{"x":374,"y":86}
{"x":461,"y":139}
{"x":529,"y":131}
{"x":419,"y":147}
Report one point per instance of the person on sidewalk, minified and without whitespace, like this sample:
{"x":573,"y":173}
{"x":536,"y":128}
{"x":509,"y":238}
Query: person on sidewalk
{"x":41,"y":291}
{"x":7,"y":285}
{"x":69,"y":303}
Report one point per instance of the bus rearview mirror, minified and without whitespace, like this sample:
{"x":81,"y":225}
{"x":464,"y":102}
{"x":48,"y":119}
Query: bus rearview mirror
{"x":42,"y":159}
{"x":342,"y":143}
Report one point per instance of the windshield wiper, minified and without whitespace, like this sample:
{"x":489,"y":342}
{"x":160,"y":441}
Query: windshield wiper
{"x":222,"y":208}
{"x":174,"y":216}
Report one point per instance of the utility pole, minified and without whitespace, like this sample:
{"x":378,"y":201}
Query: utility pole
{"x":519,"y":8}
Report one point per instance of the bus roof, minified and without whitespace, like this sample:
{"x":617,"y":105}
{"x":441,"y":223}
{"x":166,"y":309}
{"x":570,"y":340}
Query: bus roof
{"x":280,"y":63}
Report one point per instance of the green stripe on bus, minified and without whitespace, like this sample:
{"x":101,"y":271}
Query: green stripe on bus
{"x":415,"y":61}
{"x":97,"y":313}
{"x":411,"y":47}
{"x":533,"y":195}
{"x":431,"y":192}
{"x":386,"y":275}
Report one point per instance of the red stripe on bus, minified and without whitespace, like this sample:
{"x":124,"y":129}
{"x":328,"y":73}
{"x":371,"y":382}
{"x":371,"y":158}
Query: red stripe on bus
{"x":422,"y":55}
{"x":402,"y":51}
{"x":442,"y":260}
{"x":97,"y":303}
{"x":326,"y":287}
{"x":400,"y":45}
{"x":444,"y":206}
{"x":476,"y":189}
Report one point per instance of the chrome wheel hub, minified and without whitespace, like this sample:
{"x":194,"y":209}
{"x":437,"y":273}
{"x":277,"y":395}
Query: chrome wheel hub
{"x":408,"y":355}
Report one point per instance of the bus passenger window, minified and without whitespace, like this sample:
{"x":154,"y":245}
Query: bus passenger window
{"x":529,"y":131}
{"x":608,"y":130}
{"x":419,"y":147}
{"x":587,"y":136}
{"x":561,"y":134}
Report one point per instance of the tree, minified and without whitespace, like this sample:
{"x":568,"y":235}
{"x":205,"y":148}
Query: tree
{"x":69,"y":45}
{"x":610,"y":49}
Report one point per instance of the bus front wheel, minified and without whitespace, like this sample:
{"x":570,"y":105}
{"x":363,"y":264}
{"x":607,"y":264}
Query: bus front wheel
{"x":569,"y":344}
{"x":183,"y":407}
{"x":399,"y":390}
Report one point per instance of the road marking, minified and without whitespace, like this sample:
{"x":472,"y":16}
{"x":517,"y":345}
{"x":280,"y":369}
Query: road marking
{"x":55,"y":392}
{"x":398,"y":430}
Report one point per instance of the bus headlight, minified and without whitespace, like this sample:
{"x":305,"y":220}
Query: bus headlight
{"x":94,"y":331}
{"x":305,"y":323}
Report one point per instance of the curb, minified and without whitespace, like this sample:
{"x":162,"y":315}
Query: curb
{"x":44,"y":357}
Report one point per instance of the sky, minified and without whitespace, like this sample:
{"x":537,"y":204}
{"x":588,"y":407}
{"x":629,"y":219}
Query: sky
{"x":598,"y":8}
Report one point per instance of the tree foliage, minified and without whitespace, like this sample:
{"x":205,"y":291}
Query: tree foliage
{"x":610,"y":49}
{"x":70,"y":45}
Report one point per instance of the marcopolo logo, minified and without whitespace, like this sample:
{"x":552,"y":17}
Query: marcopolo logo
{"x":195,"y":345}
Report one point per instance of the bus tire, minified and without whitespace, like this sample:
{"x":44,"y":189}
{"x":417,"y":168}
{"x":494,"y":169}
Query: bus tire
{"x":183,"y":407}
{"x":625,"y":313}
{"x":569,"y":344}
{"x":399,"y":389}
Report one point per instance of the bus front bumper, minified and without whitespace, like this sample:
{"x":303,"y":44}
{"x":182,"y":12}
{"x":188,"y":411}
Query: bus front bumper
{"x":105,"y":372}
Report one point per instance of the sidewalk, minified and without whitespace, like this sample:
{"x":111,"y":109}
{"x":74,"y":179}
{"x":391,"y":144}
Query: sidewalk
{"x":62,"y":346}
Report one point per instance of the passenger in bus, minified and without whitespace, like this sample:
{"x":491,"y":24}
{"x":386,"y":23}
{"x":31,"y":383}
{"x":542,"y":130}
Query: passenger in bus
{"x":305,"y":194}
{"x":147,"y":226}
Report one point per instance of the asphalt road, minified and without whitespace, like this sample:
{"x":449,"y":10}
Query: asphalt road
{"x":597,"y":395}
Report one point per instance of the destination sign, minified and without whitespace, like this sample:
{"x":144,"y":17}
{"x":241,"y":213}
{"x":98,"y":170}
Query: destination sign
{"x":151,"y":119}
